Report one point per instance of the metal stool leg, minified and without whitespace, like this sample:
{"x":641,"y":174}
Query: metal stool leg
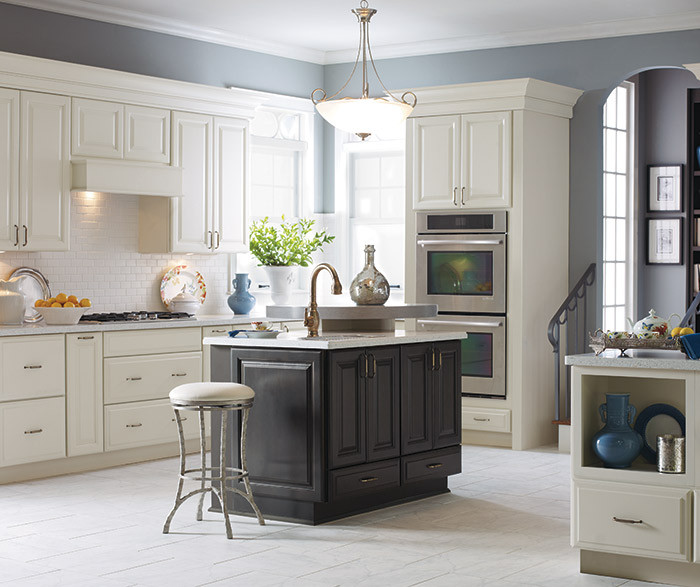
{"x":222,"y":474}
{"x":244,"y":467}
{"x":178,"y":496}
{"x":203,"y":455}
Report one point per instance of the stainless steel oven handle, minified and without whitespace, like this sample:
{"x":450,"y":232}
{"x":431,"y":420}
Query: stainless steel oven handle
{"x":423,"y":243}
{"x":468,"y":323}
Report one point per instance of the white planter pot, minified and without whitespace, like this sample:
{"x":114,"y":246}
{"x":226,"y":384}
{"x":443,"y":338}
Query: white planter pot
{"x":282,"y":280}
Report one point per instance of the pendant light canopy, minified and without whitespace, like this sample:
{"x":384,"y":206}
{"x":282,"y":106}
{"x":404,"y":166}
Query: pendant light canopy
{"x":364,"y":116}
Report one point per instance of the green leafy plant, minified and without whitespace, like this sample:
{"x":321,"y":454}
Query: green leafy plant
{"x":289,"y":244}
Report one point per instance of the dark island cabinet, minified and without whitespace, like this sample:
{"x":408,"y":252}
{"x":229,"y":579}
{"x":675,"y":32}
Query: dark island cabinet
{"x":364,"y":406}
{"x":430,"y":398}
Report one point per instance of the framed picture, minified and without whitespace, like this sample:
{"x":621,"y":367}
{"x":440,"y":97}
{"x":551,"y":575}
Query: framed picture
{"x":665,"y":189}
{"x":664,"y":241}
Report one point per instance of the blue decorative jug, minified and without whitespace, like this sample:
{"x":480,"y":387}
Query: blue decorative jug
{"x":241,"y":301}
{"x":617,"y":444}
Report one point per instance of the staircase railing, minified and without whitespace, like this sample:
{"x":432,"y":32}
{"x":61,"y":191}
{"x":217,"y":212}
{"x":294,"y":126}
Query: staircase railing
{"x":575,"y":340}
{"x":691,"y":314}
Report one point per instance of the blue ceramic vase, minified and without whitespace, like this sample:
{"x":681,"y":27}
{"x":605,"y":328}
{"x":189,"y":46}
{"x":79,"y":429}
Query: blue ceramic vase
{"x":617,"y":444}
{"x":241,"y":301}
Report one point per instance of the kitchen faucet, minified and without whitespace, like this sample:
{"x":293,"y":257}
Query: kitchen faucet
{"x":311,"y":318}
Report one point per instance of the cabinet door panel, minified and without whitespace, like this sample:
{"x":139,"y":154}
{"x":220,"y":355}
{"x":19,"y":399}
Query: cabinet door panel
{"x":347,"y":442}
{"x":9,"y":168}
{"x":45,"y":172}
{"x":147,"y":134}
{"x":436,"y":172}
{"x":191,"y":214}
{"x":97,"y":129}
{"x":230,"y":184}
{"x":486,"y":159}
{"x":416,"y":399}
{"x":383,"y":388}
{"x":447,"y":395}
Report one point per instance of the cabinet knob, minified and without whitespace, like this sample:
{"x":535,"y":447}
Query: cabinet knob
{"x":35,"y":431}
{"x":626,"y":521}
{"x":32,"y":366}
{"x":134,"y":425}
{"x":369,"y":479}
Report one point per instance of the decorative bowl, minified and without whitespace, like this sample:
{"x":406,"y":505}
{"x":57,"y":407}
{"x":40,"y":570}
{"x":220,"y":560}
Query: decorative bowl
{"x":61,"y":316}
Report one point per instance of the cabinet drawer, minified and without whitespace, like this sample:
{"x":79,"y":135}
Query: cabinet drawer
{"x":490,"y":419}
{"x":148,"y":342}
{"x":629,"y":519}
{"x":145,"y":423}
{"x":353,"y":481}
{"x":433,"y":464}
{"x":32,"y":431}
{"x":32,"y":366}
{"x":222,"y":330}
{"x":128,"y":379}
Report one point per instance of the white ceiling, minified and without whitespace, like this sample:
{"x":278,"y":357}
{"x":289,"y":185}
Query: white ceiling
{"x":325,"y":31}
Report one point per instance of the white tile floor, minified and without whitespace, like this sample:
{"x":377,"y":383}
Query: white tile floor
{"x":505,"y":523}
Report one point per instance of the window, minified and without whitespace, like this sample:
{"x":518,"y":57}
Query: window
{"x":618,"y":210}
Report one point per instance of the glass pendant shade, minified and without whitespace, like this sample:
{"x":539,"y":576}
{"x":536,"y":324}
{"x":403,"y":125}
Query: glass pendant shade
{"x":364,"y":115}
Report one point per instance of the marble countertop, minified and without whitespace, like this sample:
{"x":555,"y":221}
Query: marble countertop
{"x":42,"y":328}
{"x":637,"y":359}
{"x":353,"y":312}
{"x":336,"y":340}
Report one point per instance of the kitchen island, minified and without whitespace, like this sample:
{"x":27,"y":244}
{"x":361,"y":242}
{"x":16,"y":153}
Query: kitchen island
{"x":636,"y":523}
{"x":343,"y":423}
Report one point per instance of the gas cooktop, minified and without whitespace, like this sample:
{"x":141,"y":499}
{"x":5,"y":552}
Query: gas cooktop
{"x":138,"y":316}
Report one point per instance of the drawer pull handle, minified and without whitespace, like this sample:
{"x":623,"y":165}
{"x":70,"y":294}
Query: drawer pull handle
{"x":369,"y":479}
{"x":626,"y":521}
{"x":134,"y":425}
{"x":181,"y":419}
{"x":85,"y":337}
{"x":32,"y":366}
{"x":35,"y":431}
{"x":434,"y":465}
{"x":133,"y":378}
{"x":179,"y":374}
{"x":220,"y":330}
{"x":482,"y":419}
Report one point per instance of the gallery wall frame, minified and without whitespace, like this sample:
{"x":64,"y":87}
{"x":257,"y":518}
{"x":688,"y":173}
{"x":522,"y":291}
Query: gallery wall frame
{"x":665,"y":188}
{"x":664,"y":241}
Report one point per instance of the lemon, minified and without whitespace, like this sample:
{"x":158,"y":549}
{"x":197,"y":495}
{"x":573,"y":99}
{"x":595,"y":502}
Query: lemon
{"x":686,"y":330}
{"x":38,"y":303}
{"x":73,"y":299}
{"x":676,"y":331}
{"x":61,"y":298}
{"x":85,"y":303}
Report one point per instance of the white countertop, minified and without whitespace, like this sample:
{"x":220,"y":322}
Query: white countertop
{"x":41,"y":328}
{"x":335,"y":340}
{"x":354,"y":312}
{"x":638,"y":359}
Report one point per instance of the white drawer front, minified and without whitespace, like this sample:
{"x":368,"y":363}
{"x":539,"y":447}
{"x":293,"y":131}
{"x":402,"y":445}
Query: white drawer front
{"x":626,"y":519}
{"x":145,"y":423}
{"x":148,"y":342}
{"x":32,"y":430}
{"x":489,"y":419}
{"x":32,"y":366}
{"x":130,"y":379}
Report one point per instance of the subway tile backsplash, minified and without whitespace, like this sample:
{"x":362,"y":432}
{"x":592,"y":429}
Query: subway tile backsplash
{"x":104,"y":263}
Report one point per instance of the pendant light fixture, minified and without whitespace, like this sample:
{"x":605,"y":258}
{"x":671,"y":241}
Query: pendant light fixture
{"x":364,"y":116}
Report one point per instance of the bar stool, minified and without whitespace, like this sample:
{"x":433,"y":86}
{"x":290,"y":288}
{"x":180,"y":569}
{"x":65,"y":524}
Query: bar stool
{"x":222,"y":398}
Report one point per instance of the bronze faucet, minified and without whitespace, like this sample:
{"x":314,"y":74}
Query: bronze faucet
{"x":311,"y":318}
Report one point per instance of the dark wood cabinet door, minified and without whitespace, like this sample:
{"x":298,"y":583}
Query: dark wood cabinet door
{"x":348,"y":426}
{"x":447,"y":399}
{"x":285,"y":444}
{"x":383,"y":389}
{"x":416,"y":398}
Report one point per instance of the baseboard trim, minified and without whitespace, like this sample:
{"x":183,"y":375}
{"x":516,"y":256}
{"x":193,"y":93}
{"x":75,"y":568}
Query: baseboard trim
{"x":637,"y":568}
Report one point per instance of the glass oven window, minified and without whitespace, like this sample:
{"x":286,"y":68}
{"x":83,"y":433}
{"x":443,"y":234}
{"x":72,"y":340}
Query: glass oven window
{"x":460,"y":273}
{"x":477,"y":355}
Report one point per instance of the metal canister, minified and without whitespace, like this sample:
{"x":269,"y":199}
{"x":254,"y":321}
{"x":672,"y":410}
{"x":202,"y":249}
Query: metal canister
{"x":670,"y":451}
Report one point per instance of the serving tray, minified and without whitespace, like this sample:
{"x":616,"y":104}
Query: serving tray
{"x":599,"y":342}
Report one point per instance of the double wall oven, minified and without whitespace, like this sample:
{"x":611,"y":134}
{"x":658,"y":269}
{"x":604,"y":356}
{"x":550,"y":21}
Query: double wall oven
{"x":461,"y":267}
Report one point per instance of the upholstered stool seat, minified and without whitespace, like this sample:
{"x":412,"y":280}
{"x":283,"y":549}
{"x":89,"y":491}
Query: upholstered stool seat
{"x":219,"y":398}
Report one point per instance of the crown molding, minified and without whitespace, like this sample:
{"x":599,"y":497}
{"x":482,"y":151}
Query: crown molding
{"x":694,"y":68}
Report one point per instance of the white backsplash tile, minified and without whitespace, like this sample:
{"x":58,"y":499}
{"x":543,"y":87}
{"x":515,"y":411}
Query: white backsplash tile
{"x":104,"y":263}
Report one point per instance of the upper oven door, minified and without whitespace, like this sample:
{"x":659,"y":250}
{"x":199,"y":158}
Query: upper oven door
{"x":462,"y":273}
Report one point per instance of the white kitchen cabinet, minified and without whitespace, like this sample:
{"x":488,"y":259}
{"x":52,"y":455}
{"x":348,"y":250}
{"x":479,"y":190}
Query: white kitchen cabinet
{"x":147,"y":342}
{"x":84,"y":413}
{"x":206,"y":349}
{"x":34,"y":171}
{"x":210,"y":217}
{"x":32,"y":431}
{"x":118,"y":131}
{"x":32,"y":367}
{"x":461,"y":161}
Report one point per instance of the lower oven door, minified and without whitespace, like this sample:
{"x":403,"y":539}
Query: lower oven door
{"x":483,"y":351}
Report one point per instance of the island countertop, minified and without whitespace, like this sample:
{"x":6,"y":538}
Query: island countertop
{"x":336,"y":340}
{"x":637,"y":359}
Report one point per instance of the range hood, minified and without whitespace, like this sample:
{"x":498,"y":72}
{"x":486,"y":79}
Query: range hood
{"x":126,"y":177}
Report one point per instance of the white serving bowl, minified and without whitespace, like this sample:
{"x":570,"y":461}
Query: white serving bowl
{"x":60,"y":316}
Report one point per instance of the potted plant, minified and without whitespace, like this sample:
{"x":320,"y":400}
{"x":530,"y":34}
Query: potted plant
{"x":281,"y":249}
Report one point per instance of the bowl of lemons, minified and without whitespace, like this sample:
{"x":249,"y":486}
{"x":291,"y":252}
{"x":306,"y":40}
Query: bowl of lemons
{"x":62,"y":309}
